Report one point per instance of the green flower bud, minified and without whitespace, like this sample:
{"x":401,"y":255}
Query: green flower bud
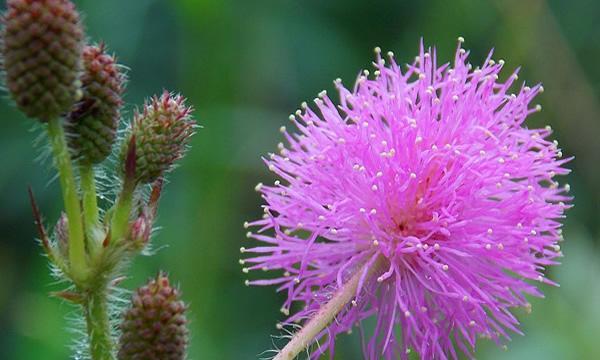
{"x":161,"y":133}
{"x":42,"y":42}
{"x":154,"y":327}
{"x":92,"y":124}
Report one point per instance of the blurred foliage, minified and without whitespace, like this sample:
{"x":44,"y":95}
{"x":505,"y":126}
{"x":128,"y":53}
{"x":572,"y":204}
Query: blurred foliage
{"x":245,"y":65}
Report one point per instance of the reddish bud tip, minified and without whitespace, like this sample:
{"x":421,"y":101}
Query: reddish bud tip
{"x":130,"y":159}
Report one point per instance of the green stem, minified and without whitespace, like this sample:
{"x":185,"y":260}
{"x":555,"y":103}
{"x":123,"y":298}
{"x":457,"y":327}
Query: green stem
{"x":326,"y":313}
{"x":90,"y":202}
{"x":120,"y":220}
{"x":98,"y":325}
{"x":77,"y":260}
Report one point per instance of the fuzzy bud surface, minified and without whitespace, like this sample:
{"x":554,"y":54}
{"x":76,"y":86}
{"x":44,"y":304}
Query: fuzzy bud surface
{"x":92,"y":124}
{"x":154,"y":327}
{"x":42,"y":42}
{"x":161,"y":132}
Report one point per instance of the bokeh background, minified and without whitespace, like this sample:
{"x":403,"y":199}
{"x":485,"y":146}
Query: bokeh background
{"x":245,"y":65}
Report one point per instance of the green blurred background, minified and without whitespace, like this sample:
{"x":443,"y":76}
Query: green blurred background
{"x":245,"y":65}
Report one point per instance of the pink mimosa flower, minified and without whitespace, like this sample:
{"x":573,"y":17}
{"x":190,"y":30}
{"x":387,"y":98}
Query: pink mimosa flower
{"x":428,"y":186}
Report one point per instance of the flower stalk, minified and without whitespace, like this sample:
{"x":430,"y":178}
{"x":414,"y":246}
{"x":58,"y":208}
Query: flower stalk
{"x":62,"y":158}
{"x":90,"y":202}
{"x":120,"y":218}
{"x":327,"y":313}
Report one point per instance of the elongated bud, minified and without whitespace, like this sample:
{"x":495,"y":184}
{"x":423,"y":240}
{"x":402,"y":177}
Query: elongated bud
{"x":161,"y":132}
{"x":154,"y":327}
{"x":92,"y":124}
{"x":42,"y":42}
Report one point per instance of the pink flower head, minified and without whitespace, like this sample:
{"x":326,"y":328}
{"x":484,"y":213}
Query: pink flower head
{"x":428,"y":184}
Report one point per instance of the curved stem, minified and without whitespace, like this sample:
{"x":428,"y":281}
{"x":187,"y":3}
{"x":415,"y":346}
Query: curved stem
{"x":98,"y":325}
{"x":326,"y":314}
{"x":120,"y":217}
{"x":77,"y":260}
{"x":90,"y":202}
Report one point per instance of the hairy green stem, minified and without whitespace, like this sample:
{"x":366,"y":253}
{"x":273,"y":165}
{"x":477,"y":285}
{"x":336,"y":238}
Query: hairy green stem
{"x":120,"y":218}
{"x":326,"y":314}
{"x":62,"y":158}
{"x":98,"y":325}
{"x":90,"y":202}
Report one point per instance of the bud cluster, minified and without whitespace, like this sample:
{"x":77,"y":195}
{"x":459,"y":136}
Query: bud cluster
{"x":76,"y":91}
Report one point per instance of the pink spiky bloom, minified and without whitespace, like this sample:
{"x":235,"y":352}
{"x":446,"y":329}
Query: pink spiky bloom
{"x":433,"y":171}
